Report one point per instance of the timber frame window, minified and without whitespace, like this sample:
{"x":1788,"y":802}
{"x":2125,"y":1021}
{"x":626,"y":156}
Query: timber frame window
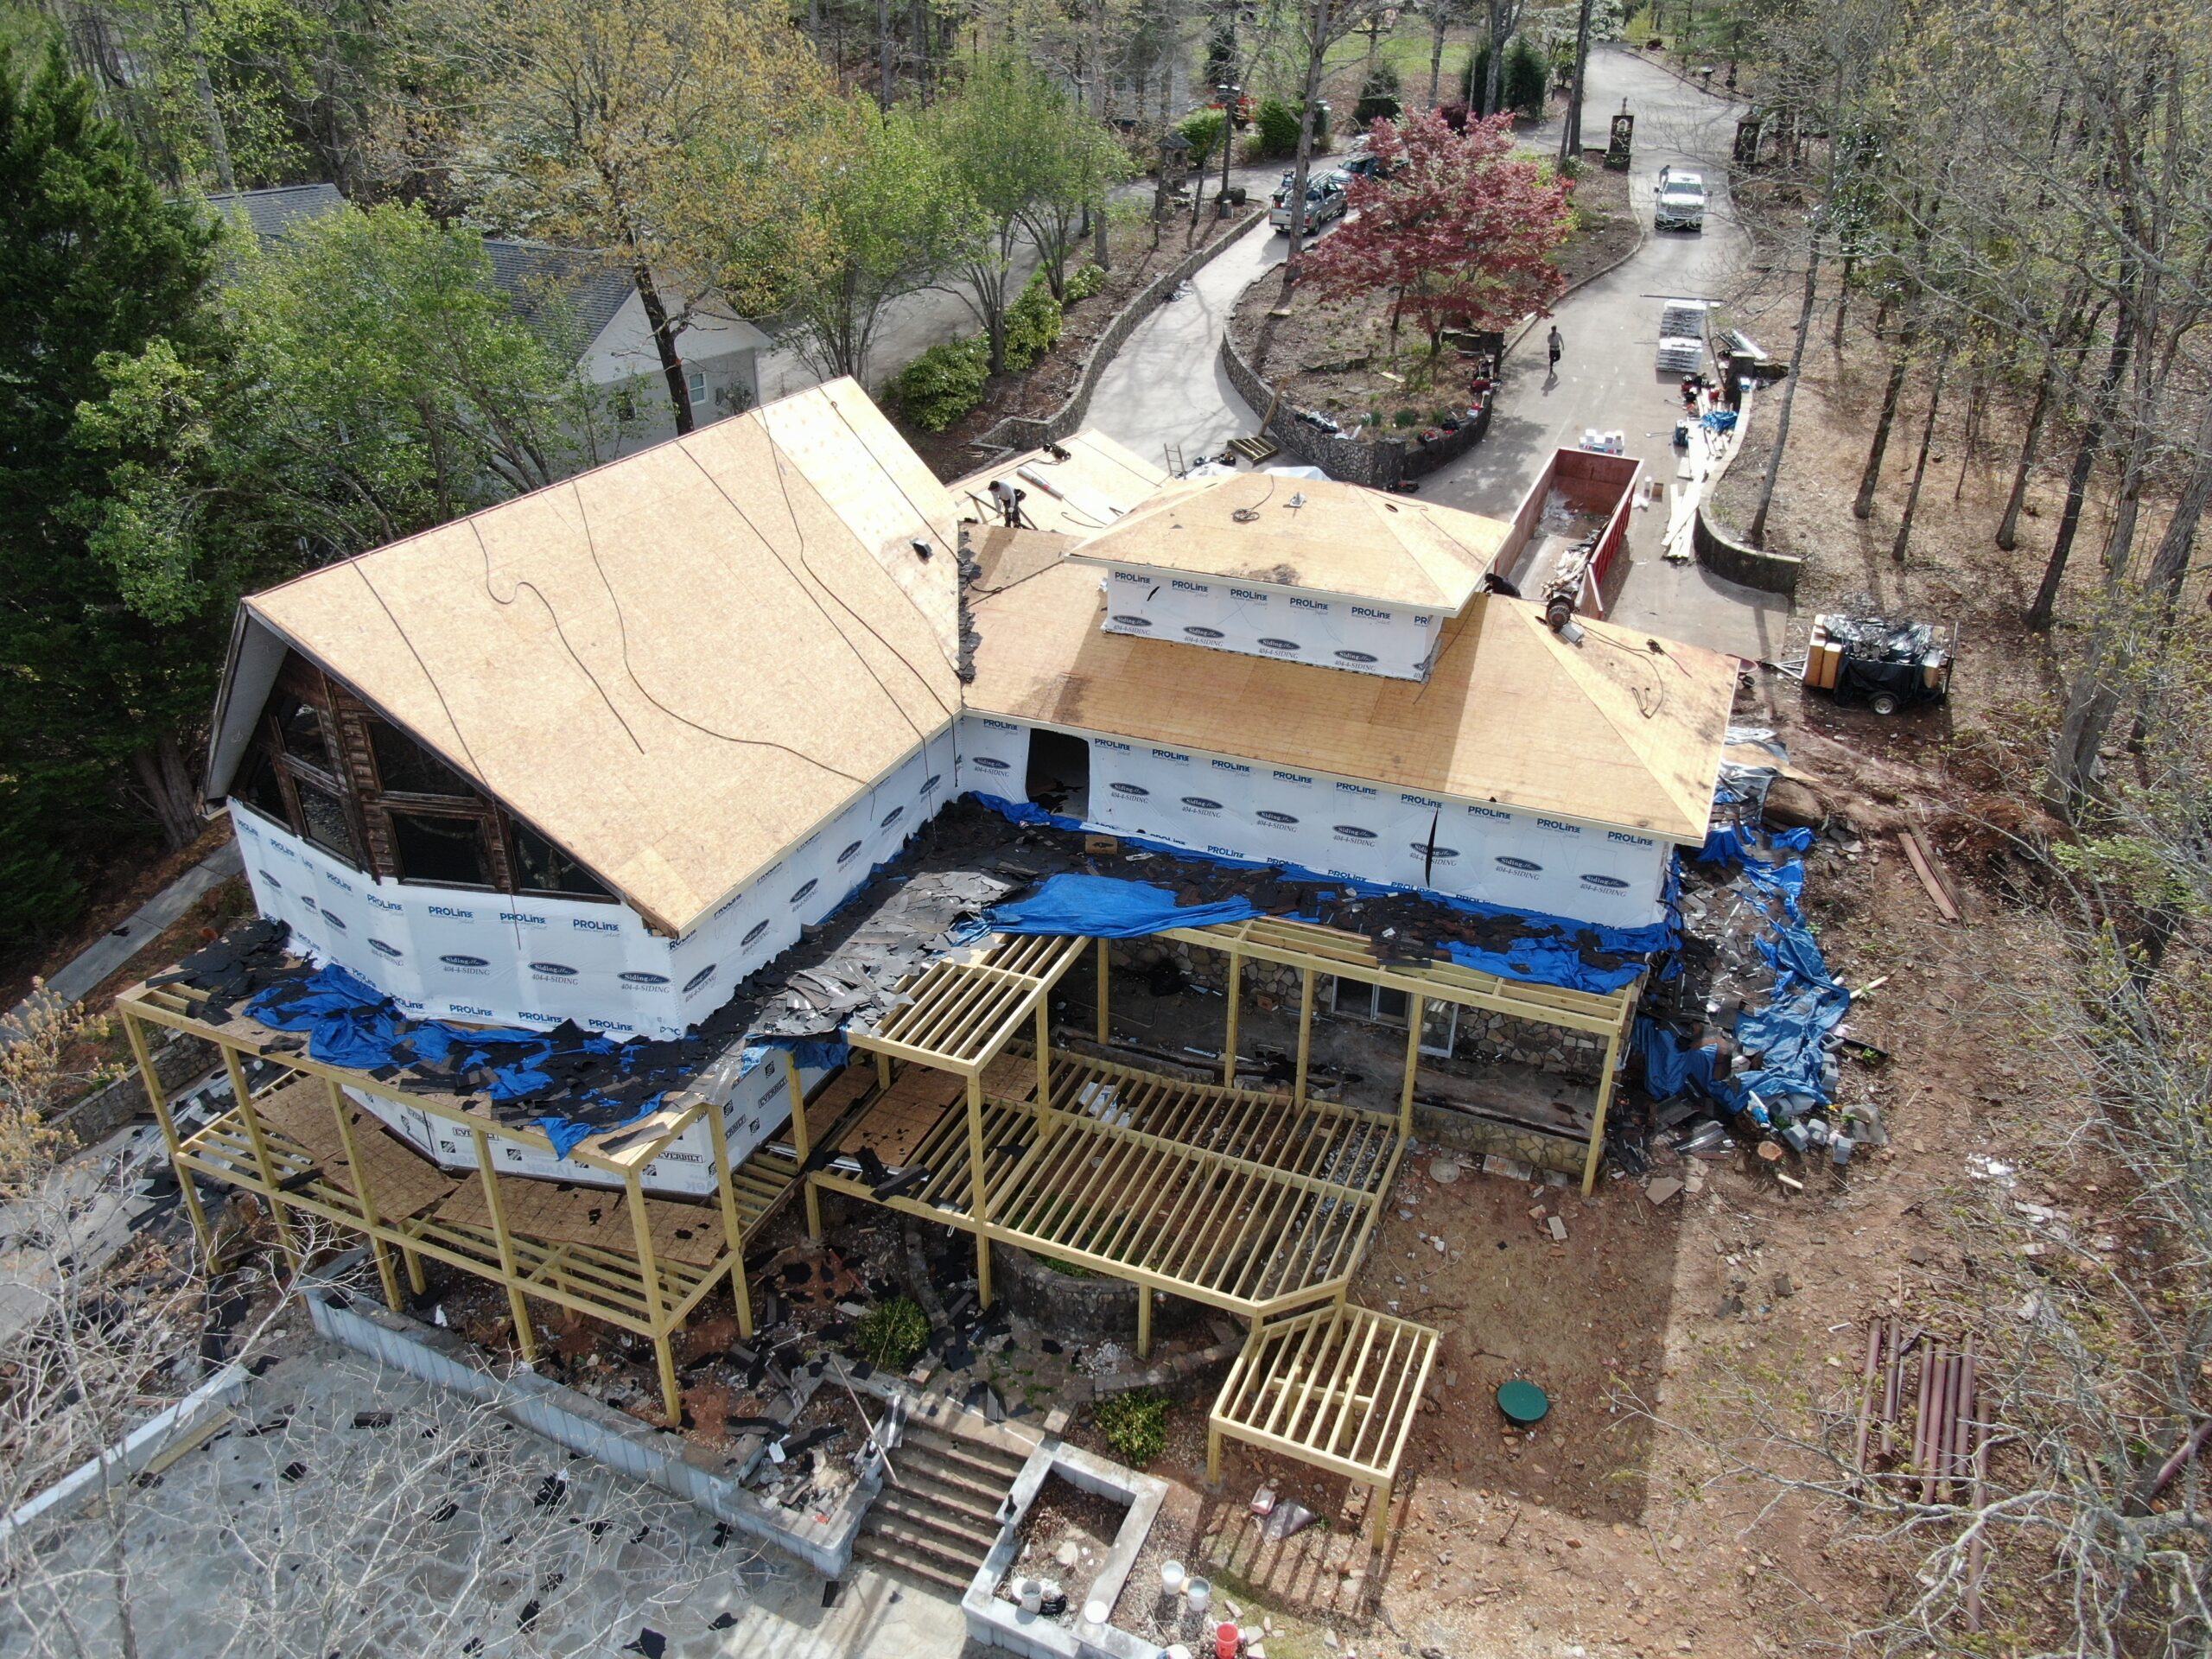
{"x":332,"y":771}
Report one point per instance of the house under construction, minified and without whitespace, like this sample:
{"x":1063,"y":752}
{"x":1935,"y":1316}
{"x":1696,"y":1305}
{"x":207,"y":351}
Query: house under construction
{"x":593,"y":821}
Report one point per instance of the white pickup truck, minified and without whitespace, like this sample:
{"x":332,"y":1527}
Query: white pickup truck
{"x":1681,"y":201}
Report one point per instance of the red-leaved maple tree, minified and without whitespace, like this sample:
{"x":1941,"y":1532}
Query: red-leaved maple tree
{"x":1455,"y":226}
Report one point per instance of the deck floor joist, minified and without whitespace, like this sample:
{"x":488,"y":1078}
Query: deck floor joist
{"x":1241,"y":1199}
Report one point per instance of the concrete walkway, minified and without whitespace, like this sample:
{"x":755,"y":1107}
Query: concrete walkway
{"x":83,"y":973}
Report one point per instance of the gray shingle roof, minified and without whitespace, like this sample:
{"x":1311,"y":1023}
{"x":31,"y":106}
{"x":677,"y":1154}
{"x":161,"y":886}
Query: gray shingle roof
{"x":555,"y":289}
{"x":275,"y":210}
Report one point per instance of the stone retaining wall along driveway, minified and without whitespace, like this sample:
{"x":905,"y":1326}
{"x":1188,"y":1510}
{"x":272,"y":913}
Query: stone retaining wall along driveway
{"x":1025,"y":432}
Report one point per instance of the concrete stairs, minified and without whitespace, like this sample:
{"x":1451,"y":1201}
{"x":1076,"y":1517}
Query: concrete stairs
{"x":940,"y":1520}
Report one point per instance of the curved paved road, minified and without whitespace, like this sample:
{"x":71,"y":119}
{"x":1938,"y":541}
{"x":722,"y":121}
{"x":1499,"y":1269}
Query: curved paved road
{"x":1167,"y":387}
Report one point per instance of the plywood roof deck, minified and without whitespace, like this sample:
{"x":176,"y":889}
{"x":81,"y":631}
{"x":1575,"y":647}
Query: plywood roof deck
{"x":1316,"y":534}
{"x":1608,"y":732}
{"x":1098,"y":482}
{"x":678,"y":665}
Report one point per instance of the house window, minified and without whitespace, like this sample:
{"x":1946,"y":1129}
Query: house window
{"x":257,"y":786}
{"x":328,"y":823}
{"x":405,"y":767}
{"x":1385,"y":1006}
{"x":540,"y":867}
{"x":695,"y":387}
{"x":447,"y":851}
{"x":299,"y":727}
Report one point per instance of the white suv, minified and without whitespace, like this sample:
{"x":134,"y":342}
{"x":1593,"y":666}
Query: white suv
{"x":1681,"y":202}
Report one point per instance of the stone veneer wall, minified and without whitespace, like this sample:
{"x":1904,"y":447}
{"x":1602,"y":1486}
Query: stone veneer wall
{"x":1480,"y":1035}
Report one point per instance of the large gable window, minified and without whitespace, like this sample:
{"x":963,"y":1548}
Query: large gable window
{"x":333,"y":771}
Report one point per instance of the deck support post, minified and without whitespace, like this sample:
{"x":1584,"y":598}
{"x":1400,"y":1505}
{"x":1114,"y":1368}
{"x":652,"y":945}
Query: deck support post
{"x":509,"y":1275}
{"x":734,"y":1224}
{"x":672,"y":1396}
{"x":1417,"y":1008}
{"x":979,"y":1195}
{"x":803,"y":1140}
{"x":1046,"y":1115}
{"x":1105,"y":986}
{"x":262,"y":1161}
{"x":1235,"y":1002}
{"x":1598,"y":1123}
{"x":158,"y":1098}
{"x":1305,"y":1029}
{"x":370,"y":1219}
{"x":1144,"y":1321}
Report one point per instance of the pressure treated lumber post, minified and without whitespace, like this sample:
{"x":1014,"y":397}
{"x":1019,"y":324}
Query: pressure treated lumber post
{"x":1044,"y":1113}
{"x":1105,"y":970}
{"x":1415,"y":1010}
{"x":1144,"y":1321}
{"x":1213,"y":1453}
{"x":496,"y":1207}
{"x":803,"y":1138}
{"x":1597,"y":1123}
{"x":733,"y":1225}
{"x":262,"y":1161}
{"x":377,"y":1248}
{"x":882,"y":1070}
{"x":158,"y":1097}
{"x":1305,"y":1030}
{"x":672,"y":1396}
{"x":1380,"y":1527}
{"x":1228,"y":1047}
{"x":979,"y":1195}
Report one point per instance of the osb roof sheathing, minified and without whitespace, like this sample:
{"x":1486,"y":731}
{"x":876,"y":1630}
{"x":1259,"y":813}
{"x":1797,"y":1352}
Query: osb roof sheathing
{"x":1608,"y":732}
{"x":1097,"y":482}
{"x":1311,"y":533}
{"x":680,"y":664}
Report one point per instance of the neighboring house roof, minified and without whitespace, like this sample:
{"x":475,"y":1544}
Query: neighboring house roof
{"x":676,"y":666}
{"x":558,"y":291}
{"x":1311,"y":533}
{"x":275,"y":211}
{"x":1607,"y":732}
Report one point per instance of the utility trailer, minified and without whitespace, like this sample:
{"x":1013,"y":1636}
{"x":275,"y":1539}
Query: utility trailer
{"x":1886,"y":666}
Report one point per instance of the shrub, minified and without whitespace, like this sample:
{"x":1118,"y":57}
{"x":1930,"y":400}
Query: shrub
{"x":944,"y":383}
{"x":1084,"y":281}
{"x":1203,"y":129}
{"x":1378,"y":97}
{"x":892,"y":1334}
{"x":1033,"y":324}
{"x":1527,"y":78}
{"x":1475,"y":79}
{"x":1277,"y":125}
{"x":1134,"y":1424}
{"x":1405,"y":417}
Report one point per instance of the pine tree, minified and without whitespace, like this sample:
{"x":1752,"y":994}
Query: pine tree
{"x":92,"y":261}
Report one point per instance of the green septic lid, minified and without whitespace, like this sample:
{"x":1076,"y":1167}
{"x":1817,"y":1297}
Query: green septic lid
{"x":1524,"y":1402}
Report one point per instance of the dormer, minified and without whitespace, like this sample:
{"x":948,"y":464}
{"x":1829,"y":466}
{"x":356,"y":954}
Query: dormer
{"x":1296,"y":569}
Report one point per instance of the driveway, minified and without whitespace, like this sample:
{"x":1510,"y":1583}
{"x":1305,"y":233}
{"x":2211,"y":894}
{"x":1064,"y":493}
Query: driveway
{"x":1608,"y":376}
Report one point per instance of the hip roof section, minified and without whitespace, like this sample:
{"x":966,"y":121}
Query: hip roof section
{"x":1312,"y":533}
{"x":679,"y":665}
{"x":1611,"y":731}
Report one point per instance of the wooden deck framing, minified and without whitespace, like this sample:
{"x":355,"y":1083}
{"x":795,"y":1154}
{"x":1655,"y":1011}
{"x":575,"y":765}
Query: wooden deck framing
{"x":1243,"y":1200}
{"x":1314,"y":950}
{"x":1337,"y":1387}
{"x":306,"y":1146}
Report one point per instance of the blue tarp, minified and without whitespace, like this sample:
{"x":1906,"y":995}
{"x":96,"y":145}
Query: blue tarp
{"x":1106,"y":907}
{"x":349,"y":1022}
{"x":1789,"y":1034}
{"x":1549,"y":953}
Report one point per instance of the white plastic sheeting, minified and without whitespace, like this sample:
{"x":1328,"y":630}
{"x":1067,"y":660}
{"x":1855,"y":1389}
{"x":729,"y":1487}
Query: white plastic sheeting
{"x":1368,"y":832}
{"x":493,"y":958}
{"x":1363,"y":636}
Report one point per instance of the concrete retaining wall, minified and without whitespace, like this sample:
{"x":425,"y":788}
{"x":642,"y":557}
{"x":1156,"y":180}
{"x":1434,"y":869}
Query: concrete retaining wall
{"x":1773,"y":573}
{"x":1024,"y":432}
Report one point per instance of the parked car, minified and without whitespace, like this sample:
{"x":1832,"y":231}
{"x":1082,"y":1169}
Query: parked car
{"x":1325,"y":201}
{"x":1681,"y":201}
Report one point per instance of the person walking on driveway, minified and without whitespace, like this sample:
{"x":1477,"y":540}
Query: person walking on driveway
{"x":1558,"y":345}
